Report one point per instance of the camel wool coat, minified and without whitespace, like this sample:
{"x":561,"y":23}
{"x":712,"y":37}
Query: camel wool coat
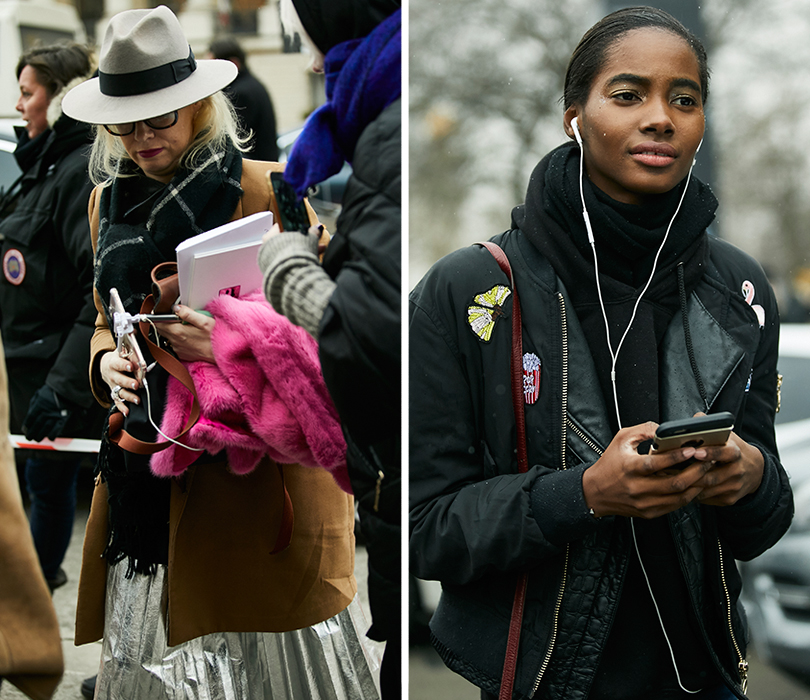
{"x":222,"y":527}
{"x":30,"y":644}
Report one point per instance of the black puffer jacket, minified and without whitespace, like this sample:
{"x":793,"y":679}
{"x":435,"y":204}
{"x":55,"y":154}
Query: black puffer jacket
{"x":359,"y":346}
{"x":46,"y":299}
{"x":476,"y":522}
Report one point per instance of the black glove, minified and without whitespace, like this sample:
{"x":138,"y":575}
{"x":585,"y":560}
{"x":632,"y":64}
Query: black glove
{"x":47,"y":415}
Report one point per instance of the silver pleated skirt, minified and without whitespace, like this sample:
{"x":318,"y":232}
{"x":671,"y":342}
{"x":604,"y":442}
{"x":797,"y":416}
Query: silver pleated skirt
{"x":328,"y":661}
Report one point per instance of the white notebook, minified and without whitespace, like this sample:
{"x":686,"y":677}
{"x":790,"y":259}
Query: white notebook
{"x":222,"y":261}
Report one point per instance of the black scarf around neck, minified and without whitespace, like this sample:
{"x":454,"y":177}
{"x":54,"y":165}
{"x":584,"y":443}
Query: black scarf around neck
{"x":627,"y":238}
{"x":140,"y":224}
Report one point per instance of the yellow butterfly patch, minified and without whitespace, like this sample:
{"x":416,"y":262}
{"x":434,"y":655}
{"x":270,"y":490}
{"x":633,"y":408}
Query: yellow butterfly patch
{"x":482,"y":318}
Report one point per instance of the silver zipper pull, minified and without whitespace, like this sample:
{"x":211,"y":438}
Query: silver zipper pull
{"x":742,"y":668}
{"x":380,"y":477}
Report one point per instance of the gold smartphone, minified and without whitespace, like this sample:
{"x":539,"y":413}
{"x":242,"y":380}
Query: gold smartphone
{"x":699,"y":431}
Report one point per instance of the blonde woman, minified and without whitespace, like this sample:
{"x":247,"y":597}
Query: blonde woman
{"x":200,"y":599}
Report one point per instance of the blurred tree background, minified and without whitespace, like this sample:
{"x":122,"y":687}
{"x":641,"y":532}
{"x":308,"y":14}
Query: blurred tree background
{"x":485,"y":86}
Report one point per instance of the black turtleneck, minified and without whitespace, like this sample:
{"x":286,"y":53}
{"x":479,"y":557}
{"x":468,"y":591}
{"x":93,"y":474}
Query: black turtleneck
{"x":636,"y":662}
{"x":627,"y":238}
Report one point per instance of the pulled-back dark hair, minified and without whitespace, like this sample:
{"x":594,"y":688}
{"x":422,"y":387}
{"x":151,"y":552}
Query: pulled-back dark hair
{"x":590,"y":54}
{"x":57,"y":65}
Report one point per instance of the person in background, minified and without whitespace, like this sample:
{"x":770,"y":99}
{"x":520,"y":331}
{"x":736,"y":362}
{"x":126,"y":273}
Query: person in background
{"x":31,"y":654}
{"x":351,"y":303}
{"x":250,"y":98}
{"x":223,"y":566}
{"x":46,"y":291}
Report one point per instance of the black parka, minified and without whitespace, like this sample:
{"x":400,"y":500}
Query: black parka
{"x":475,"y":522}
{"x":359,"y":347}
{"x":46,"y":300}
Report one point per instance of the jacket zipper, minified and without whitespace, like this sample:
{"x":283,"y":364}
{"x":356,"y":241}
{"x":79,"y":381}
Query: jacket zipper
{"x":742,"y":664}
{"x":582,"y":436}
{"x":558,"y":603}
{"x":564,"y":333}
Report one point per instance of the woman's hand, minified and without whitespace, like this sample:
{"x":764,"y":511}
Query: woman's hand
{"x":190,"y":340}
{"x":117,"y":373}
{"x":623,"y":482}
{"x":736,"y":471}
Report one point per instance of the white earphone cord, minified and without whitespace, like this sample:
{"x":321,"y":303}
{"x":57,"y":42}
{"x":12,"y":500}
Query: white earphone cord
{"x":614,"y":356}
{"x":149,"y":402}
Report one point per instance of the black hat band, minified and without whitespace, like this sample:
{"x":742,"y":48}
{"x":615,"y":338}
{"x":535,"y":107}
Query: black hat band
{"x":145,"y":81}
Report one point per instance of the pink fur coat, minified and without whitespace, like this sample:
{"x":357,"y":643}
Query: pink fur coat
{"x":264,"y":396}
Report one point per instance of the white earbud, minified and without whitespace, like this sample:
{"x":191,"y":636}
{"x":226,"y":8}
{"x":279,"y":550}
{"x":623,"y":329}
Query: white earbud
{"x":575,"y":127}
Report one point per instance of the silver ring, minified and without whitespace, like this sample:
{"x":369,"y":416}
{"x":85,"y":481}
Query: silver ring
{"x":115,"y":393}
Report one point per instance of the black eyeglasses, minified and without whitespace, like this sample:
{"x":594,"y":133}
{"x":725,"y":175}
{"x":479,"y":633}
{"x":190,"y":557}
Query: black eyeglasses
{"x":164,"y":121}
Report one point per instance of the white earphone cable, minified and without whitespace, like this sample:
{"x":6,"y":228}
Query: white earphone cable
{"x":149,"y":401}
{"x":658,"y":613}
{"x":614,"y":356}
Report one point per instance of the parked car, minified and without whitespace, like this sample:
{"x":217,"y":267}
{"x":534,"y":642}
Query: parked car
{"x":9,"y":171}
{"x":776,"y":585}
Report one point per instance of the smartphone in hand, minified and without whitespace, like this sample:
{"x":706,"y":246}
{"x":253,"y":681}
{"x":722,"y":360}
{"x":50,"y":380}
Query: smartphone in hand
{"x":127,"y":345}
{"x":699,"y":431}
{"x":292,"y":211}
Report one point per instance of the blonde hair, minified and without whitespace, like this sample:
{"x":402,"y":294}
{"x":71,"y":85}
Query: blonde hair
{"x":215,"y":127}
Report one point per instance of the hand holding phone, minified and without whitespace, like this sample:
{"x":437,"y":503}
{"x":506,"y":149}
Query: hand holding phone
{"x":126,"y":344}
{"x":292,"y":210}
{"x":698,"y":431}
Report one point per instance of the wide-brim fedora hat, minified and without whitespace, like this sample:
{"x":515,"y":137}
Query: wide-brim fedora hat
{"x":146,"y":68}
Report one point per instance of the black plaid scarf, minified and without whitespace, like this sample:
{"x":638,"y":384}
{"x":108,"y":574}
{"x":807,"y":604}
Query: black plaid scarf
{"x":139,"y":228}
{"x":141,"y":221}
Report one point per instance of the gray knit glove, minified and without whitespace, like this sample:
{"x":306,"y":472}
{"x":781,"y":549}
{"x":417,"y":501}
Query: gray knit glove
{"x":295,"y":284}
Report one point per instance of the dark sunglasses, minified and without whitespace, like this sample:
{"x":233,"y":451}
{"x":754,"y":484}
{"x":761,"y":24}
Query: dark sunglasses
{"x":164,"y":121}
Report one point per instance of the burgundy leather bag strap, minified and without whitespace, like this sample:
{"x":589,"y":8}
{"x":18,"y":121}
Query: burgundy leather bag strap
{"x":513,"y":640}
{"x":165,"y":287}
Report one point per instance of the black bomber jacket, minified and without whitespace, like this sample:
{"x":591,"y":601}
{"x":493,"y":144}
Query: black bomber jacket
{"x":475,"y":522}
